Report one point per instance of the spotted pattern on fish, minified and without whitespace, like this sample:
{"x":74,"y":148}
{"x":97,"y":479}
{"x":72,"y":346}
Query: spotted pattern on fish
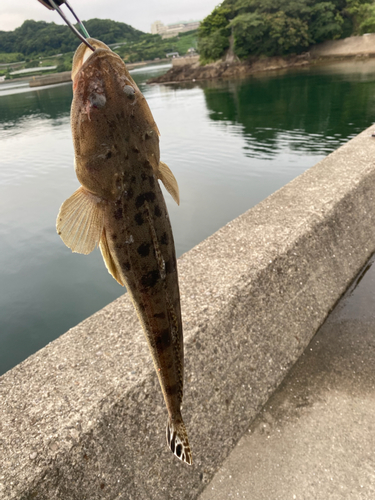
{"x":148,"y":266}
{"x":118,"y":163}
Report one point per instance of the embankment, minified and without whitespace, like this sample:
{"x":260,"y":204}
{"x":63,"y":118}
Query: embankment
{"x":189,"y":69}
{"x":66,"y":76}
{"x":38,"y":81}
{"x":84,"y":418}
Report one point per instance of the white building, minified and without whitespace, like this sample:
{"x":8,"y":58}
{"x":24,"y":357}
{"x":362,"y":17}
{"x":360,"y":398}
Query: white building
{"x":157,"y":27}
{"x":170,"y":30}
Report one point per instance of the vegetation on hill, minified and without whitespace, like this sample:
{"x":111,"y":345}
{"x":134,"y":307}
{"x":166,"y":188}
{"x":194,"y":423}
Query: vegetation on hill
{"x":279,"y":27}
{"x":150,"y":47}
{"x":38,"y":38}
{"x":11,"y":58}
{"x":49,"y":44}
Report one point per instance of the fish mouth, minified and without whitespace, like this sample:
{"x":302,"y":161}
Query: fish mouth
{"x":84,"y":56}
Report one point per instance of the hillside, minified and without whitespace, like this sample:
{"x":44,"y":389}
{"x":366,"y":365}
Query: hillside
{"x":246,"y":28}
{"x":41,"y":44}
{"x":45,"y":39}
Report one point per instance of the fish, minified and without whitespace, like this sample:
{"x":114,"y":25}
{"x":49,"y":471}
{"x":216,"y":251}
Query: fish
{"x":120,"y":208}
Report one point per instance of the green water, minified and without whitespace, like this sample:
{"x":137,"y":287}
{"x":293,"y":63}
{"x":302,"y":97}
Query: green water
{"x":230,"y":144}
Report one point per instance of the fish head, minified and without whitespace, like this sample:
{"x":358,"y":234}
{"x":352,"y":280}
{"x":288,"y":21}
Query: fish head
{"x":110,"y":121}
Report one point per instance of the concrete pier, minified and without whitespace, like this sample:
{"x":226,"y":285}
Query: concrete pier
{"x":315,"y":436}
{"x":84,"y":417}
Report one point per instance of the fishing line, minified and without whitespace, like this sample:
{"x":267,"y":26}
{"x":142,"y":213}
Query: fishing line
{"x":84,"y":30}
{"x":52,"y":5}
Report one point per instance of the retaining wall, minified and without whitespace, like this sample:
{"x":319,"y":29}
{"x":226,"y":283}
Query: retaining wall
{"x":347,"y":47}
{"x":84,"y":418}
{"x":181,"y":61}
{"x":37,"y":81}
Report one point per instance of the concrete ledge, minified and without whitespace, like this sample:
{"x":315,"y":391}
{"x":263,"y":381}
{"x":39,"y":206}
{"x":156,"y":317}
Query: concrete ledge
{"x":181,"y":61}
{"x":38,"y":81}
{"x":346,"y":47}
{"x":84,"y":418}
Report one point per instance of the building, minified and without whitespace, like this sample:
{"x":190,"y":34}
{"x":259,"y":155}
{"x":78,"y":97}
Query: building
{"x":170,"y":30}
{"x":157,"y":28}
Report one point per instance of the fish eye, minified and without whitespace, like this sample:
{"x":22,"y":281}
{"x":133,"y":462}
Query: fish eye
{"x":129,"y":91}
{"x":97,"y":100}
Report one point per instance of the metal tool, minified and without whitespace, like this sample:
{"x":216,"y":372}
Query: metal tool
{"x":55,"y":5}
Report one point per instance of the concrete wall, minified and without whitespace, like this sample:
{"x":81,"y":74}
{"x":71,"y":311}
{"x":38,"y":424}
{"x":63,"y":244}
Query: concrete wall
{"x":84,"y":418}
{"x":181,"y":61}
{"x":347,"y":47}
{"x":37,"y":81}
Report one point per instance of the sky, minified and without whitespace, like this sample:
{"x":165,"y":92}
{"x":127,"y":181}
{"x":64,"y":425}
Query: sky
{"x":140,"y":13}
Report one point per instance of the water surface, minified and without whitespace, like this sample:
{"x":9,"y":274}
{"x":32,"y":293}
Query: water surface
{"x":230,"y":144}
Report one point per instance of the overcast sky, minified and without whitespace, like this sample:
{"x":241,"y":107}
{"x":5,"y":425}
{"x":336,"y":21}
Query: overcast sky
{"x":140,"y":13}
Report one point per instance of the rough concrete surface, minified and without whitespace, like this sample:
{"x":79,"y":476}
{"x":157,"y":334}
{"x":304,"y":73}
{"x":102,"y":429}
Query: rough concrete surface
{"x":181,"y":61}
{"x":347,"y":47}
{"x":37,"y":81}
{"x":315,"y":437}
{"x":84,"y":418}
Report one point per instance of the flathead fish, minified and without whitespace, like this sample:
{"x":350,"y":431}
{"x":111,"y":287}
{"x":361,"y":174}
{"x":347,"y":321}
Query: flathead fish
{"x":121,"y":208}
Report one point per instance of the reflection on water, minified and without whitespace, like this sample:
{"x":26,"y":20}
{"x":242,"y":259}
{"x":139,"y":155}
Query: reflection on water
{"x":19,"y":106}
{"x":52,"y":102}
{"x":230,"y":144}
{"x":308,"y":111}
{"x":151,"y":70}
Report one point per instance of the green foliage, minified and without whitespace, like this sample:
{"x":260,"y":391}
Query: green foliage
{"x":32,"y":64}
{"x":185,"y":41}
{"x":362,"y":13}
{"x":11,"y":57}
{"x":217,"y":20}
{"x":367,"y":24}
{"x":326,"y":23}
{"x":288,"y":34}
{"x":150,"y":47}
{"x":41,"y":38}
{"x":249,"y":30}
{"x":63,"y":66}
{"x":268,"y":34}
{"x":213,"y":46}
{"x":278,"y":27}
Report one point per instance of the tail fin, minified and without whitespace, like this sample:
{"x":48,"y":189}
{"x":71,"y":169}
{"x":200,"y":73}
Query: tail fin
{"x":178,"y":441}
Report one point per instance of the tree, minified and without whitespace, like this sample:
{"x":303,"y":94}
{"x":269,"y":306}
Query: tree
{"x":278,"y":27}
{"x":212,"y":47}
{"x":39,"y":37}
{"x":249,"y":31}
{"x":362,"y":14}
{"x":325,"y":22}
{"x":217,"y":20}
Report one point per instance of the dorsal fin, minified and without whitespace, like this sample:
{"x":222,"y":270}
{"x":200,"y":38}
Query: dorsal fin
{"x":168,"y":179}
{"x":80,"y":221}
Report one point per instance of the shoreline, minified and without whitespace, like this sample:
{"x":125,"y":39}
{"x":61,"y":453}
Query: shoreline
{"x":220,"y":70}
{"x":65,"y":76}
{"x":332,"y":51}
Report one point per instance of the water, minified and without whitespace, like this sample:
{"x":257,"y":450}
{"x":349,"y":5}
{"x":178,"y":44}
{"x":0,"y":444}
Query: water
{"x":230,"y":144}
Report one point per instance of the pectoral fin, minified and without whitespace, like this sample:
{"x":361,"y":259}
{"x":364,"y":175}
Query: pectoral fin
{"x":108,"y":260}
{"x":169,"y":181}
{"x":80,"y":221}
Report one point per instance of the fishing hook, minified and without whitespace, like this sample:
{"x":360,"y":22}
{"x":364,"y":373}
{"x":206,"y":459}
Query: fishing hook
{"x":55,"y":5}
